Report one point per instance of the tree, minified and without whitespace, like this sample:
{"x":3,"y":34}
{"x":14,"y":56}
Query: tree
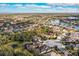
{"x":4,"y":39}
{"x":6,"y":51}
{"x":22,"y":52}
{"x":56,"y":48}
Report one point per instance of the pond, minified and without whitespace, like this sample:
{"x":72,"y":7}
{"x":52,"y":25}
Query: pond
{"x":76,"y":27}
{"x":63,"y":24}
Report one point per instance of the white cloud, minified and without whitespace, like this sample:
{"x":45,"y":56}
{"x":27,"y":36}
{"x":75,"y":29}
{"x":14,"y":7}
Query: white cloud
{"x":18,"y":5}
{"x":37,"y":6}
{"x":31,"y":6}
{"x":63,"y":4}
{"x":67,"y":9}
{"x":4,"y":5}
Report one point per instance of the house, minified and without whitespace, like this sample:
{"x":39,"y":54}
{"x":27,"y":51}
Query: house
{"x":54,"y":22}
{"x":36,"y":39}
{"x":74,"y":34}
{"x":73,"y":37}
{"x":53,"y":43}
{"x":77,"y":46}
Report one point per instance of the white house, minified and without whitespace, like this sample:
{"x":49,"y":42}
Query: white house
{"x":54,"y":22}
{"x":52,"y":43}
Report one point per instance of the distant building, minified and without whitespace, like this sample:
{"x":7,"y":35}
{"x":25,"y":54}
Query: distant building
{"x":72,"y":17}
{"x":54,"y":22}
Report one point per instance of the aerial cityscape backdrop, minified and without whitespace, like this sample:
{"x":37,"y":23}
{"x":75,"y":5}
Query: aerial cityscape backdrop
{"x":39,"y":29}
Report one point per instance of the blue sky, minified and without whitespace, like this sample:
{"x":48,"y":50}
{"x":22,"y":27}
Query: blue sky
{"x":39,"y":8}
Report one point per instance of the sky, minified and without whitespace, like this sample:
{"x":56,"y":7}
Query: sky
{"x":39,"y":8}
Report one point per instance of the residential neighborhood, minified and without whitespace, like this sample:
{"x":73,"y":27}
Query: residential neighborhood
{"x":39,"y":35}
